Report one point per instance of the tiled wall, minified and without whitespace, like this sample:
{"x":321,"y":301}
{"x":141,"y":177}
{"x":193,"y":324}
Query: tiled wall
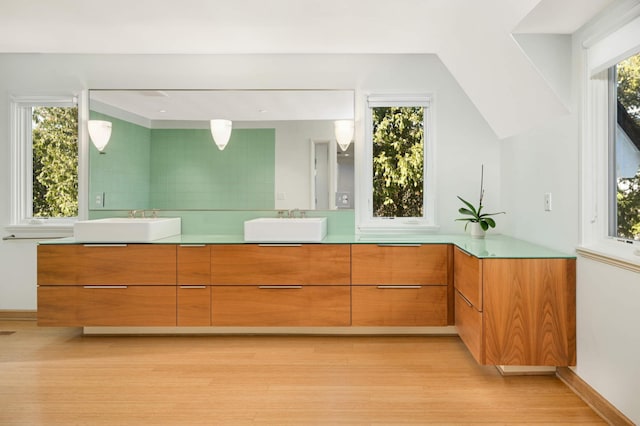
{"x":189,"y":172}
{"x":122,"y":172}
{"x":182,"y":169}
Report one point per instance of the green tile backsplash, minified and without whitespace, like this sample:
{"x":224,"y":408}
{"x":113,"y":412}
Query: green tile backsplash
{"x":189,"y":172}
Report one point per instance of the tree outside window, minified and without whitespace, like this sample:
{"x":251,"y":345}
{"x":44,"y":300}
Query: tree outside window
{"x":628,"y":148}
{"x":398,"y":161}
{"x":55,"y":161}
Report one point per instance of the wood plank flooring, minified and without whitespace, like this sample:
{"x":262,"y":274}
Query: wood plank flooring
{"x":57,"y":376}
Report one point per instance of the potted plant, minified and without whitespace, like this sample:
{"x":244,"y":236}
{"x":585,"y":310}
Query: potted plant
{"x":479,"y":221}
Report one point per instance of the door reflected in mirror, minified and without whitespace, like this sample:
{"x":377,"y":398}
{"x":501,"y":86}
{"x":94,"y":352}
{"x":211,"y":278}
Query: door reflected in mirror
{"x":161,"y":154}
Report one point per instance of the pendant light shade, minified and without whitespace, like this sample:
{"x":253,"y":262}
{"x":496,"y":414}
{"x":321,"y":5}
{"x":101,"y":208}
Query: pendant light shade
{"x":99,"y":132}
{"x":344,"y":133}
{"x":221,"y":132}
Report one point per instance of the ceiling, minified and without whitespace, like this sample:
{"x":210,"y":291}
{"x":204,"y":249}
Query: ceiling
{"x":473,"y":38}
{"x":235,"y":105}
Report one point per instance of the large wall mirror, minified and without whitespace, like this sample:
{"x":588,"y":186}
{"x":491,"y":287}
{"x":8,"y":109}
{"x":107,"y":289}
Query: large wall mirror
{"x":282,"y":153}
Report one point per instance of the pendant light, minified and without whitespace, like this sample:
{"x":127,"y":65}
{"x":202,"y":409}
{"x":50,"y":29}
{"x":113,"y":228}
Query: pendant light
{"x":99,"y":132}
{"x":344,"y":133}
{"x":221,"y":132}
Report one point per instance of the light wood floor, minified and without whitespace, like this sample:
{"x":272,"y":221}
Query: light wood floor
{"x":56,"y":376}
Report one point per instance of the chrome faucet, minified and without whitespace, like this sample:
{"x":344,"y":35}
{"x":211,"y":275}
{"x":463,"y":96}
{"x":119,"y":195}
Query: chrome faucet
{"x":132,"y":214}
{"x":292,"y":213}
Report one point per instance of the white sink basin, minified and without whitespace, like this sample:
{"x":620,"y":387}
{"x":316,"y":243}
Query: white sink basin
{"x":125,"y":230}
{"x":289,"y":230}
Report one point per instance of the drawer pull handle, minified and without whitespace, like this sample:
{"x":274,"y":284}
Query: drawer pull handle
{"x":193,"y":286}
{"x":192,"y":245}
{"x":105,"y":286}
{"x":399,"y":245}
{"x":467,"y":301}
{"x":279,"y":245}
{"x":399,"y":286}
{"x":279,"y":287}
{"x":104,"y":245}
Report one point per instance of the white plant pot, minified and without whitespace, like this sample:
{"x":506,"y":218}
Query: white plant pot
{"x":476,"y":230}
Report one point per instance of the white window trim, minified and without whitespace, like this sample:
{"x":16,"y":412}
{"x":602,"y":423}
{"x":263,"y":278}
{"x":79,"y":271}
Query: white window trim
{"x":595,"y":204}
{"x":364,"y":210}
{"x":22,"y":225}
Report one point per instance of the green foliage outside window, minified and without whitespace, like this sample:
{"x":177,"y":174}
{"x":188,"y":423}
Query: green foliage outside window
{"x":628,"y":196}
{"x":55,"y":162}
{"x":398,"y":161}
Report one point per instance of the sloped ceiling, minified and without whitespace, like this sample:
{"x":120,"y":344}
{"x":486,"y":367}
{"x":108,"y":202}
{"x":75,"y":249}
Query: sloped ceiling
{"x":473,"y":38}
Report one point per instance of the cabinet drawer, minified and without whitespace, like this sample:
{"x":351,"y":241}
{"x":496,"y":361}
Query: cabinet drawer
{"x":107,"y":306}
{"x":399,"y":305}
{"x":194,"y":305}
{"x":379,"y":264}
{"x":281,"y":306}
{"x":467,"y":277}
{"x":194,"y":264}
{"x":315,"y":264}
{"x":137,"y":264}
{"x":469,"y":325}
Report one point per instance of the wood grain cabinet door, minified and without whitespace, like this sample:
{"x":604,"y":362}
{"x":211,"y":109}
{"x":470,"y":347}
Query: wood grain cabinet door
{"x":467,"y":277}
{"x":399,"y":305}
{"x":469,"y":326}
{"x":281,"y":305}
{"x":194,"y":290}
{"x":95,"y":264}
{"x":425,"y":264}
{"x":399,"y":285}
{"x":98,"y":305}
{"x":276,"y":264}
{"x":529,"y":311}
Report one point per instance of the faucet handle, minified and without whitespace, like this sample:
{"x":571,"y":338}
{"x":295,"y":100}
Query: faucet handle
{"x":303,"y":213}
{"x":280,"y":214}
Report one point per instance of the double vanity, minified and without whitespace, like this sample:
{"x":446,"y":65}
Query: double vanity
{"x":511,"y":302}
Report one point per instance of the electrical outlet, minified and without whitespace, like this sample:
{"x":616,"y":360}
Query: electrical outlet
{"x":99,"y":199}
{"x":547,"y":202}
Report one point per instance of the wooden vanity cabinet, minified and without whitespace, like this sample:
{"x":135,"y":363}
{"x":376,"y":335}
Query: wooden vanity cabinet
{"x":107,"y":285}
{"x":281,"y":285}
{"x":524,"y":314}
{"x":194,"y":285}
{"x":400,"y":285}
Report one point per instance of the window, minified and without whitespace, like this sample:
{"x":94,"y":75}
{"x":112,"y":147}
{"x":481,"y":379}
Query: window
{"x":399,"y":170}
{"x":624,"y":107}
{"x":44,"y":142}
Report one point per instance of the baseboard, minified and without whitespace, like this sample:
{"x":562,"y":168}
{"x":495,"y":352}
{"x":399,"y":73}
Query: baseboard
{"x":7,"y":314}
{"x":597,"y":402}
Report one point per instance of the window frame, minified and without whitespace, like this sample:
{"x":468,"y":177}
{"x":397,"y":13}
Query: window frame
{"x":367,"y":223}
{"x":21,"y":177}
{"x":602,"y":51}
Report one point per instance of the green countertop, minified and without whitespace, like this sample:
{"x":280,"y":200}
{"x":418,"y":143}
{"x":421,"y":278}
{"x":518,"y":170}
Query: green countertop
{"x":492,"y":246}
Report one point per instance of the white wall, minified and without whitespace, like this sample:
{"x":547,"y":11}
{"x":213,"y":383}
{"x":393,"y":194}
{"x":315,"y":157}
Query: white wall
{"x":608,"y":314}
{"x":464,"y":140}
{"x":293,"y":158}
{"x":544,"y":160}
